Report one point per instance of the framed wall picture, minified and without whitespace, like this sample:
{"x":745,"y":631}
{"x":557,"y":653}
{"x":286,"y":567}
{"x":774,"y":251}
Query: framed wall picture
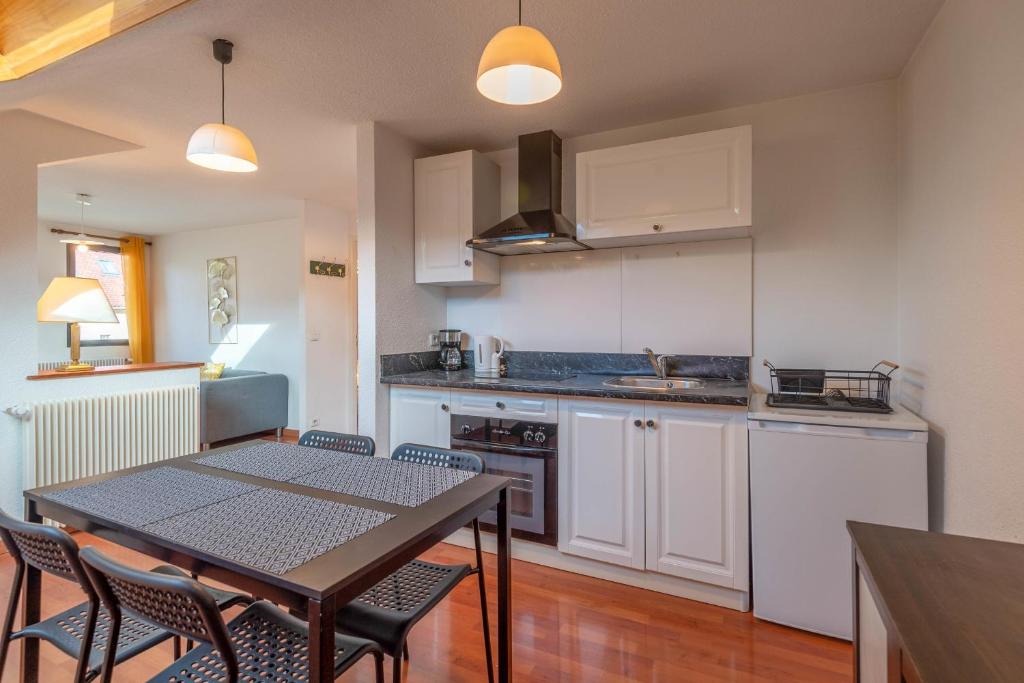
{"x":222,"y":300}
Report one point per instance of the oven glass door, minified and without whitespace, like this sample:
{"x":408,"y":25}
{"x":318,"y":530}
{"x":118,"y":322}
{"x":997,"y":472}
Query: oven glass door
{"x":526,"y":494}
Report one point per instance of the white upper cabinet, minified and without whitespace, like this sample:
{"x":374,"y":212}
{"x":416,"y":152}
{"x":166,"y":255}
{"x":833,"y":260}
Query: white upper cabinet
{"x":457,"y":197}
{"x":688,"y":188}
{"x":696,"y":472}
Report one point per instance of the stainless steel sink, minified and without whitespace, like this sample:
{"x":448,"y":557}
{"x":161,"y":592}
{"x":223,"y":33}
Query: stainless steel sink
{"x":655,"y":384}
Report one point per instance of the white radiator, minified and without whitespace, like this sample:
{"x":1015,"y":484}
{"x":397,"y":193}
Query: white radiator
{"x":95,"y":362}
{"x":80,"y":437}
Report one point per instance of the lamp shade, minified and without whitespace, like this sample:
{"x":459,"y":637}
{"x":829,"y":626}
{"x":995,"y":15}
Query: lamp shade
{"x":222,"y":148}
{"x":74,"y":300}
{"x":519,"y":66}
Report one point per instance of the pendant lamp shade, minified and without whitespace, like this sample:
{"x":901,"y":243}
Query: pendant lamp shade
{"x":519,"y":66}
{"x":222,"y":148}
{"x":217,"y":145}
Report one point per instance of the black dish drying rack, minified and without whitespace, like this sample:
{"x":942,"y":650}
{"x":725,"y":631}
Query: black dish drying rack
{"x":859,"y":391}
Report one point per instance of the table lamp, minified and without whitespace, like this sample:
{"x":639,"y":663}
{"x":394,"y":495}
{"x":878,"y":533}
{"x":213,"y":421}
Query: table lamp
{"x":74,"y":300}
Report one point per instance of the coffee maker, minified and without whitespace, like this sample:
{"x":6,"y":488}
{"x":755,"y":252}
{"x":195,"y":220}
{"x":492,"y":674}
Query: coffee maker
{"x":451,"y":349}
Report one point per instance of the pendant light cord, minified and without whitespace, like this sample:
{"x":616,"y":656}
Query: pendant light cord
{"x":222,"y":93}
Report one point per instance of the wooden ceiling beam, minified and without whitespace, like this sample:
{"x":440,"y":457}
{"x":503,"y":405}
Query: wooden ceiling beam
{"x":37,"y":33}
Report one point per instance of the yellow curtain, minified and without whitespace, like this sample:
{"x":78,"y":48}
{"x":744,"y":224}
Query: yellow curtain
{"x":140,"y":328}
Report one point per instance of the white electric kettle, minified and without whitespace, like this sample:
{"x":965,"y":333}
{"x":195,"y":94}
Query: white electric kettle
{"x":487,"y":352}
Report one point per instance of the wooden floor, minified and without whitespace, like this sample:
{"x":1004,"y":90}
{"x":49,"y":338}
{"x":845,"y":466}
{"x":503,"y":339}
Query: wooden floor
{"x":566,"y":628}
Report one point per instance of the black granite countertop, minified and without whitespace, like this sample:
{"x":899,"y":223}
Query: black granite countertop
{"x":726,"y":392}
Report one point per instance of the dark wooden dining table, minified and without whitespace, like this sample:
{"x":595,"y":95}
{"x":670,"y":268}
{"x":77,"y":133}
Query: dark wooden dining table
{"x":317,"y":587}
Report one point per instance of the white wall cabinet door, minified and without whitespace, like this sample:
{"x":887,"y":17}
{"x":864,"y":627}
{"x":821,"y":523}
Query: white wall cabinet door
{"x":696,"y":471}
{"x":601,"y":480}
{"x":687,"y":188}
{"x":420,"y":416}
{"x":456,"y":195}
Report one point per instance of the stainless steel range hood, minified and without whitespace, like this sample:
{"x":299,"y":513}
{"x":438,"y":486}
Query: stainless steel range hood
{"x":539,"y":225}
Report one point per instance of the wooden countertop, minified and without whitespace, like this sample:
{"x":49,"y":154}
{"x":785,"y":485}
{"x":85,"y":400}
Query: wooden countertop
{"x":115,"y":370}
{"x":956,"y":602}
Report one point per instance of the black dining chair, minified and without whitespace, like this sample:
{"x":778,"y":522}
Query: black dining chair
{"x":388,"y":611}
{"x":336,"y":441}
{"x":82,"y":632}
{"x":263,"y":643}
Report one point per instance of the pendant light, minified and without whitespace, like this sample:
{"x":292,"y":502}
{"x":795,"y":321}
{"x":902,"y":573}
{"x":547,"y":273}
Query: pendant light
{"x":218,"y":145}
{"x":82,"y":241}
{"x":519,"y":66}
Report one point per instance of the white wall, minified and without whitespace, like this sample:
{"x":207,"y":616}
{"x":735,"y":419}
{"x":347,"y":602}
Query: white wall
{"x":270,"y":307}
{"x":824,"y":264}
{"x":395,"y":314}
{"x":329,"y":310}
{"x":961,"y":262}
{"x":27,"y":140}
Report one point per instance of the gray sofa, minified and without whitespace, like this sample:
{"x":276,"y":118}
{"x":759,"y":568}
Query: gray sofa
{"x":240,"y":403}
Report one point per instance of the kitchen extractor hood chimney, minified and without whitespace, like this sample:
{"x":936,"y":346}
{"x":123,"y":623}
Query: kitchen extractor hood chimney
{"x":539,"y":225}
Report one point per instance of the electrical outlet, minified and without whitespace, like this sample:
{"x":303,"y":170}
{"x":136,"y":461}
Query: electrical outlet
{"x":315,"y":422}
{"x":432,"y":341}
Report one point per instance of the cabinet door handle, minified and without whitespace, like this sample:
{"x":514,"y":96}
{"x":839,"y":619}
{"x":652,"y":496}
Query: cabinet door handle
{"x":650,"y":424}
{"x":499,"y":405}
{"x":638,"y":423}
{"x":657,"y":227}
{"x":468,"y":262}
{"x":444,"y":407}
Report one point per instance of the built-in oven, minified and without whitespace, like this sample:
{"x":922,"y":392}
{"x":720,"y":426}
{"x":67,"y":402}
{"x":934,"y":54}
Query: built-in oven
{"x":524,"y":451}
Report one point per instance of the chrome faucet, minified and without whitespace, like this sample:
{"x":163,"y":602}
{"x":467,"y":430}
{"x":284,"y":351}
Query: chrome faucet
{"x":659,"y":363}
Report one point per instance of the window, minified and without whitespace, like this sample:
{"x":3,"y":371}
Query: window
{"x":104,"y":264}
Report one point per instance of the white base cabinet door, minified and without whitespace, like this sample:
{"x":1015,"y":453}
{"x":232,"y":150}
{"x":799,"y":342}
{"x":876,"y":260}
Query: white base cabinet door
{"x":601,"y":480}
{"x":420,"y":416}
{"x":696,"y":473}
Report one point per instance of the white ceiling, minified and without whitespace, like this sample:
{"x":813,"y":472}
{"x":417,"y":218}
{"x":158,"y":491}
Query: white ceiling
{"x":306,"y":70}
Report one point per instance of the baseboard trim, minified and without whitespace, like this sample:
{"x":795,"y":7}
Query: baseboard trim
{"x":547,"y":556}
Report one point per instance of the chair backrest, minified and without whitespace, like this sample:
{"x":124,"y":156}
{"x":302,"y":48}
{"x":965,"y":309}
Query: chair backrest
{"x":47,"y":548}
{"x":335,"y":441}
{"x":176,"y":603}
{"x":439,"y":457}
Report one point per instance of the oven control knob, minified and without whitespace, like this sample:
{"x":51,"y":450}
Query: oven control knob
{"x":466,"y":429}
{"x":540,"y":437}
{"x":528,"y":436}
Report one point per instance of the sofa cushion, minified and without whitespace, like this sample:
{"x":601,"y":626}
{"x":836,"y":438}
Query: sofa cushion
{"x":211,"y":371}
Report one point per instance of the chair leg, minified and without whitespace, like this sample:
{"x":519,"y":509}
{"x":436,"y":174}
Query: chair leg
{"x":405,"y":650}
{"x":107,"y":672}
{"x":85,"y":653}
{"x":396,"y":677}
{"x":177,"y":648}
{"x":483,"y":602}
{"x":12,"y":608}
{"x":378,"y":666}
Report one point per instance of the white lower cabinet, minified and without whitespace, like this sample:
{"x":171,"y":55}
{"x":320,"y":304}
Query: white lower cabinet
{"x":601,"y":480}
{"x":420,"y":416}
{"x":656,"y":486}
{"x":696,"y":473}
